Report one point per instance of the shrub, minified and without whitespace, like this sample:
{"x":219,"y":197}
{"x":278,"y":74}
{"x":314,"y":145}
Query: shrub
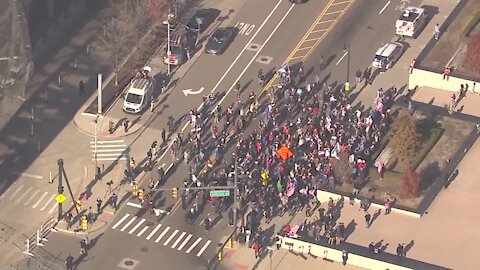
{"x":410,"y":184}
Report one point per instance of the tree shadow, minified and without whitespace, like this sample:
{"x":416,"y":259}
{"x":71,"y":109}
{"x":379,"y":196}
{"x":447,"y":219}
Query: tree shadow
{"x":429,"y":175}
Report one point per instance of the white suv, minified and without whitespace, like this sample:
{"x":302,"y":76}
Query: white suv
{"x":389,"y":54}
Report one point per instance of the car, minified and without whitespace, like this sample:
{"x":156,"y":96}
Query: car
{"x":388,"y":54}
{"x":200,"y":21}
{"x":219,"y":40}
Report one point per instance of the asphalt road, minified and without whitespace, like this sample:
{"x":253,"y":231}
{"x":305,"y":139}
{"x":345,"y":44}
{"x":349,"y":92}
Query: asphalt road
{"x":362,"y":28}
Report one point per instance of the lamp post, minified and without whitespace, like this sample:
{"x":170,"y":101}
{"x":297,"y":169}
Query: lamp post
{"x":169,"y":52}
{"x":95,"y":123}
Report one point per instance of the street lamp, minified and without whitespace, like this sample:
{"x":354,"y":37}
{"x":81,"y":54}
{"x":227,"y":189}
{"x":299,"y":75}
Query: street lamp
{"x":95,"y":123}
{"x":169,"y":52}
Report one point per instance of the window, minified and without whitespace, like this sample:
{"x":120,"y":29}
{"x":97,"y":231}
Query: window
{"x":134,"y":98}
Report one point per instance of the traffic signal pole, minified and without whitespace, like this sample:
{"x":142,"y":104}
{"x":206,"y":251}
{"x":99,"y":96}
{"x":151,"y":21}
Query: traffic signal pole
{"x":61,"y":175}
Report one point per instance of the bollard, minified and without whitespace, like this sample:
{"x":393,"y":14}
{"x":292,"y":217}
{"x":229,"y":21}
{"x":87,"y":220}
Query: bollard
{"x":220,"y":255}
{"x":75,"y":63}
{"x":32,"y":117}
{"x":230,"y":243}
{"x":59,"y":81}
{"x":87,"y":51}
{"x":50,"y":177}
{"x":116,"y":78}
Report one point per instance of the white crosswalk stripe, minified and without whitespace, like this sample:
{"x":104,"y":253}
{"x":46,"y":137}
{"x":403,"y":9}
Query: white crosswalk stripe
{"x":136,"y":226}
{"x":178,"y":239}
{"x":194,"y":245}
{"x":142,"y":231}
{"x":162,"y":235}
{"x":154,"y":231}
{"x":170,"y":238}
{"x":109,"y":150}
{"x":185,"y":242}
{"x":128,"y":223}
{"x":29,"y":196}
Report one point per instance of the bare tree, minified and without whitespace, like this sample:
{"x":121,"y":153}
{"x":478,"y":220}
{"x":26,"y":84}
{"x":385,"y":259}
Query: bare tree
{"x":403,"y":137}
{"x":409,"y":184}
{"x":473,"y":53}
{"x":131,"y":30}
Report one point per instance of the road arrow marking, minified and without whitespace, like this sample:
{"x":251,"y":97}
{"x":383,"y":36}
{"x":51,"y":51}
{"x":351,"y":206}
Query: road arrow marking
{"x":187,"y":92}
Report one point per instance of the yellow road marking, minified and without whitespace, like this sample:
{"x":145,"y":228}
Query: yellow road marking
{"x":339,"y":3}
{"x":305,"y":48}
{"x":311,"y":39}
{"x":327,"y":21}
{"x":333,"y":12}
{"x":310,"y":31}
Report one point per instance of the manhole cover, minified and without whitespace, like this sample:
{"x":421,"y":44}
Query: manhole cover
{"x":128,"y":263}
{"x":144,"y":249}
{"x":264,"y":60}
{"x":253,"y":47}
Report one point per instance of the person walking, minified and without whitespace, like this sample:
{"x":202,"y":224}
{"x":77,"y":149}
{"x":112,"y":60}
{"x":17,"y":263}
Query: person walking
{"x":436,"y":32}
{"x":163,"y":134}
{"x":68,"y":220}
{"x":81,"y":87}
{"x":256,"y":248}
{"x":412,"y":66}
{"x":278,"y":241}
{"x":400,"y":250}
{"x":99,"y":205}
{"x":388,"y":207}
{"x":368,"y":219}
{"x":152,"y":104}
{"x":261,"y":77}
{"x":125,"y":125}
{"x":344,"y":257}
{"x":114,"y":200}
{"x":230,"y":217}
{"x":69,"y":263}
{"x":446,"y":73}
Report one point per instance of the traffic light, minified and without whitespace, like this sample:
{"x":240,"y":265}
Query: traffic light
{"x":174,"y":192}
{"x":84,"y":223}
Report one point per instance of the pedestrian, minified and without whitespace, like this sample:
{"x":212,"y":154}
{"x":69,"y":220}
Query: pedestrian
{"x":99,"y":205}
{"x":446,"y":73}
{"x":358,"y":74}
{"x":454,"y":101}
{"x":347,"y":87}
{"x":68,"y":220}
{"x":69,"y":262}
{"x":114,"y":200}
{"x":368,"y":219}
{"x":111,"y":127}
{"x":371,"y":247}
{"x":436,"y":32}
{"x":388,"y":207}
{"x":152,"y":104}
{"x":344,"y":257}
{"x":230,"y":217}
{"x":149,"y":154}
{"x":400,"y":250}
{"x":164,"y":86}
{"x":188,"y":53}
{"x":256,"y":248}
{"x":81,"y":88}
{"x":412,"y":66}
{"x":185,"y":157}
{"x":83,"y":246}
{"x":164,"y":136}
{"x":278,"y":241}
{"x":153,"y":147}
{"x":125,"y":125}
{"x":261,"y":77}
{"x":133,"y":165}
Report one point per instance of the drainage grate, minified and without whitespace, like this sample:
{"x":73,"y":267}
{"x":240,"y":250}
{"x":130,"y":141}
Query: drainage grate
{"x":128,"y":264}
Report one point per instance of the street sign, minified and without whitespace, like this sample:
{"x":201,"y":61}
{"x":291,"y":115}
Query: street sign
{"x":219,"y":193}
{"x":60,"y":198}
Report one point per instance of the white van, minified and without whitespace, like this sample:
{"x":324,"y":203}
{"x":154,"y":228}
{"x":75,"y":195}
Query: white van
{"x":139,"y":93}
{"x":411,"y":22}
{"x":388,"y":54}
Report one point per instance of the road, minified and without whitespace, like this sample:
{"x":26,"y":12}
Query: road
{"x":362,"y":28}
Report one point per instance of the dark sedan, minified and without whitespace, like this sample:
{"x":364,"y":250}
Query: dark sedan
{"x":220,"y":40}
{"x":201,"y":20}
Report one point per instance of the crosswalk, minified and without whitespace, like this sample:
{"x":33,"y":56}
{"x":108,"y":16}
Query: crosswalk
{"x":162,"y":235}
{"x":109,"y":150}
{"x":29,"y":196}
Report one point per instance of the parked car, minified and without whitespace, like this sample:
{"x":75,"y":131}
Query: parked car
{"x":388,"y":54}
{"x":201,"y":20}
{"x":219,"y":40}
